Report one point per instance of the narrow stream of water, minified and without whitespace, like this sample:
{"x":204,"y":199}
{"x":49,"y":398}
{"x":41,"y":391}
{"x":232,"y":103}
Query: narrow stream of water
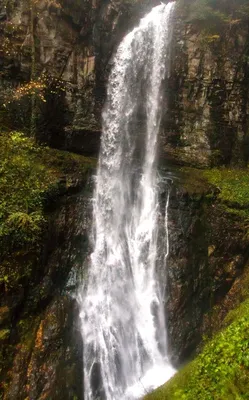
{"x":122,"y":312}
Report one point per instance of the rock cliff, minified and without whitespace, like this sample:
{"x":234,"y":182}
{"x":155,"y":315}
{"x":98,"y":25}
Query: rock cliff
{"x":67,"y":47}
{"x":206,"y":118}
{"x":63,"y":48}
{"x":55,"y":57}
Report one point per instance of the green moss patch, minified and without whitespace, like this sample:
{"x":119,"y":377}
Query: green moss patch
{"x":229,"y":186}
{"x":221,"y":371}
{"x":28,"y":175}
{"x":233,"y":185}
{"x":4,"y":334}
{"x":195,"y":183}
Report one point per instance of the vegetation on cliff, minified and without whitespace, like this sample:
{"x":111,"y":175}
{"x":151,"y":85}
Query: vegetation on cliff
{"x":30,"y":177}
{"x":33,"y":181}
{"x":215,"y":12}
{"x":233,"y":186}
{"x":221,"y":371}
{"x":35,"y":173}
{"x":229,"y":185}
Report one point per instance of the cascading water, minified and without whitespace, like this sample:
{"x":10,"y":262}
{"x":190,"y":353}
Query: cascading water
{"x":123,"y":324}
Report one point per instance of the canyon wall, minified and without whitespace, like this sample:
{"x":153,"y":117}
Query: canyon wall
{"x":55,"y":57}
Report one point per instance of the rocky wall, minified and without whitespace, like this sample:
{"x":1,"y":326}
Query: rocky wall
{"x":63,"y":48}
{"x":206,"y":116}
{"x":40,"y":341}
{"x":208,"y":251}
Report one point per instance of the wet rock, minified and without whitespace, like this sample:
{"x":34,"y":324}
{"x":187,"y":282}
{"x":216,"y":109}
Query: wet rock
{"x":48,"y":363}
{"x":73,"y":48}
{"x":41,"y":349}
{"x":83,"y":142}
{"x":207,"y":95}
{"x":188,"y":275}
{"x":55,"y":368}
{"x":208,"y":252}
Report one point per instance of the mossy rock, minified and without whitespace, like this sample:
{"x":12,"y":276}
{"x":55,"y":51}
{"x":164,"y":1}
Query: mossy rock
{"x":37,"y":173}
{"x":43,"y":179}
{"x":4,"y":334}
{"x":230,"y":187}
{"x":233,"y":185}
{"x":39,"y":176}
{"x":221,"y":371}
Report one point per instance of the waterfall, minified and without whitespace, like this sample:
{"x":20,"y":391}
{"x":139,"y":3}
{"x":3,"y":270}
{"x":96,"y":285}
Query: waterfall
{"x":122,"y":311}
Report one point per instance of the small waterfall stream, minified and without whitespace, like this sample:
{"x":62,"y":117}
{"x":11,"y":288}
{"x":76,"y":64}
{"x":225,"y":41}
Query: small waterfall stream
{"x":122,"y":312}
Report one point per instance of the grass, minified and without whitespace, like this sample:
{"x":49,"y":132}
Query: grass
{"x":233,"y":185}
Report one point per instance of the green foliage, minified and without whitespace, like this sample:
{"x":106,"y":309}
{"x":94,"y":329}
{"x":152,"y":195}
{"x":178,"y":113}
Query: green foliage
{"x":221,"y":371}
{"x":23,"y":180}
{"x":195,"y":183}
{"x":233,"y":185}
{"x":25,"y":226}
{"x":28,"y":173}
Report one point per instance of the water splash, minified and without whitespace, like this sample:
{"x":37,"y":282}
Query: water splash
{"x":123,"y":324}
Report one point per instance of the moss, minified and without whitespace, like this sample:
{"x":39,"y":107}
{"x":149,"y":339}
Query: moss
{"x":26,"y":332}
{"x":4,"y":334}
{"x":233,"y":185}
{"x":33,"y":171}
{"x":195,"y":182}
{"x":36,"y":174}
{"x":221,"y":371}
{"x":213,"y":13}
{"x":229,"y":186}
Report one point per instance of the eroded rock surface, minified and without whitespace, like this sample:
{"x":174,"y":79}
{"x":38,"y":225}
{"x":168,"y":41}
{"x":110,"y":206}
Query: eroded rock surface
{"x":208,"y":252}
{"x":40,"y":341}
{"x":207,"y":118}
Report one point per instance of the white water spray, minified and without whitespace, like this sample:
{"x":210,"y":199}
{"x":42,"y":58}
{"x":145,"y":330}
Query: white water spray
{"x":123,"y":323}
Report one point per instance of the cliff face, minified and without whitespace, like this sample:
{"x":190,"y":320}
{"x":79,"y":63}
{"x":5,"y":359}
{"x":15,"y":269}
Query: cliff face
{"x":40,"y":342}
{"x":43,"y":244}
{"x":67,"y":46}
{"x":63,"y":48}
{"x":208,"y":252}
{"x":207,"y":119}
{"x":51,"y":42}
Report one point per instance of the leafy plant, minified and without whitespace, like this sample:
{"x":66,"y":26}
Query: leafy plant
{"x":28,"y":173}
{"x":220,"y":372}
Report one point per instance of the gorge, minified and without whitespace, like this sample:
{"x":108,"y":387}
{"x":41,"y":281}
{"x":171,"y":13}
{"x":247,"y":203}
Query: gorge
{"x":187,"y":220}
